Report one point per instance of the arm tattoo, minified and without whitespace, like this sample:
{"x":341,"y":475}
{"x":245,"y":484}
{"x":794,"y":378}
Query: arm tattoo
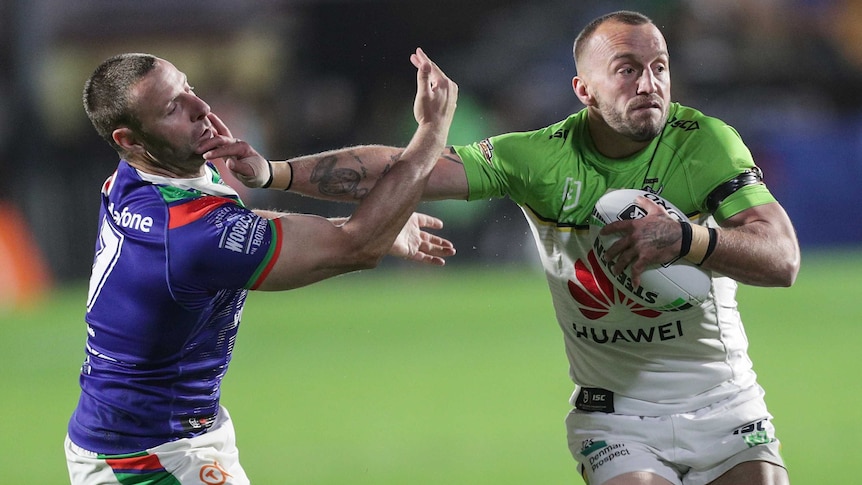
{"x":334,"y":181}
{"x":661,"y":239}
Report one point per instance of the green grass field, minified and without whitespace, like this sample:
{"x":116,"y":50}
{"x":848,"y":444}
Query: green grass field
{"x":439,"y":376}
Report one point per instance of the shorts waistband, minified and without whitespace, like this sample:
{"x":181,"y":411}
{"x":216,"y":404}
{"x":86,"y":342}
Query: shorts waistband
{"x":599,"y":400}
{"x":80,"y":451}
{"x":595,"y":400}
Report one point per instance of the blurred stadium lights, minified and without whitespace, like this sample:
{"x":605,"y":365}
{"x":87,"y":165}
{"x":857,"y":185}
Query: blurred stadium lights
{"x":296,"y":76}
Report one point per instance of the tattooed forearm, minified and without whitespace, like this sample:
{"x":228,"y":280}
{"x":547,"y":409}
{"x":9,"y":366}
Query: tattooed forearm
{"x":336,"y":181}
{"x":392,"y":161}
{"x":346,"y":175}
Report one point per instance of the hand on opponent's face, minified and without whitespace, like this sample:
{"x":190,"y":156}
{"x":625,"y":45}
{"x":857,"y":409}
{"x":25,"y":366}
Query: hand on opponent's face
{"x":246,"y":164}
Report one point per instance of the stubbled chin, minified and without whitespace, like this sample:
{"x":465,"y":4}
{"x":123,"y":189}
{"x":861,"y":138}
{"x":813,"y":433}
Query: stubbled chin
{"x":646,"y":112}
{"x":652,"y":117}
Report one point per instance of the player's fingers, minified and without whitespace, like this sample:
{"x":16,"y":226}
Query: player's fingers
{"x":616,"y":227}
{"x":636,"y":271}
{"x":619,"y":254}
{"x":424,"y":220}
{"x":623,"y":260}
{"x":423,"y":66}
{"x":428,"y":259}
{"x":443,"y":248}
{"x":418,"y":57}
{"x":214,"y":149}
{"x":219,"y":125}
{"x":649,"y":206}
{"x":441,"y":242}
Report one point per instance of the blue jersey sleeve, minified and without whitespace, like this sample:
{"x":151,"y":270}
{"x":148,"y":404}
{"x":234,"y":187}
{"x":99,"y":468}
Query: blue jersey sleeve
{"x":214,"y":243}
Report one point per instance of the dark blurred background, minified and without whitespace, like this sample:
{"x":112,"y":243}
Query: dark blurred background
{"x":296,"y":77}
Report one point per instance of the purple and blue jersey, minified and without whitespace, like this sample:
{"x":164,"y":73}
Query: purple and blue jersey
{"x":174,"y":261}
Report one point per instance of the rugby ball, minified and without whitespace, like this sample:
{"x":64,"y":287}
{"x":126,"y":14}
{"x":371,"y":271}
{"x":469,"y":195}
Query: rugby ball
{"x":675,"y":285}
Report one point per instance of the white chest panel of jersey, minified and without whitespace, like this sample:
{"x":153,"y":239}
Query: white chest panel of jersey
{"x":654,"y":362}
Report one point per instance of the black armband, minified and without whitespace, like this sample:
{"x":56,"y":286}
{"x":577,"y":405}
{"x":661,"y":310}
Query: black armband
{"x":723,"y":191}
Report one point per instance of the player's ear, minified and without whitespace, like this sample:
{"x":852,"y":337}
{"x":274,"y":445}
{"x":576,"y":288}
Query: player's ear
{"x":126,"y":139}
{"x":579,"y":86}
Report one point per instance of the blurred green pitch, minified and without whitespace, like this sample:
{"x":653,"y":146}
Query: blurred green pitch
{"x":439,"y":376}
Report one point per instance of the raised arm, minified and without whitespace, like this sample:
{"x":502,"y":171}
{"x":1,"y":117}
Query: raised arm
{"x":315,"y":248}
{"x":347,"y":174}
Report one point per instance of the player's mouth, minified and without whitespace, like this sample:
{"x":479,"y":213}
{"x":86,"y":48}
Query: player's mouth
{"x":646,"y":106}
{"x":208,"y":133}
{"x":646,"y":102}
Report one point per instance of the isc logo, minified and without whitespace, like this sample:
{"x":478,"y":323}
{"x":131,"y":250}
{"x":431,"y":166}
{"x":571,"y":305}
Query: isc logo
{"x":589,"y":396}
{"x":750,"y":428}
{"x":754,"y":434}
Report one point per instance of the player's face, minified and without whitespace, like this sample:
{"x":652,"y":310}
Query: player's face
{"x":173,"y":119}
{"x":628,"y":75}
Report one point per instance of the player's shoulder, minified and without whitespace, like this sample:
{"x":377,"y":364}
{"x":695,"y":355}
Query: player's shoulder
{"x":559,"y":130}
{"x":542,"y":142}
{"x":687,"y":122}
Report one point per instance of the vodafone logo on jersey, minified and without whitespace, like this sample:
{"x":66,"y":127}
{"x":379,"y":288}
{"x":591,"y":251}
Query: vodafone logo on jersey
{"x":596,"y":295}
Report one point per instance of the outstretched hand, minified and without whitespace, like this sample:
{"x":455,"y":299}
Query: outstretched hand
{"x":436,"y":94}
{"x":248,"y":166}
{"x":420,"y":246}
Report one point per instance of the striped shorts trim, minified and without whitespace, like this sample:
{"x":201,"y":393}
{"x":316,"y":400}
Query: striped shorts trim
{"x":209,"y":459}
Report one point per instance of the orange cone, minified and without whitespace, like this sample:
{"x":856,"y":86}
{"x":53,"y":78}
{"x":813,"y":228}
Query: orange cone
{"x":24,"y":276}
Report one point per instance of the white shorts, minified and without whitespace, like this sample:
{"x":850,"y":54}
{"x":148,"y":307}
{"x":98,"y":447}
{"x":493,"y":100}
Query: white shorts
{"x":209,"y":459}
{"x":686,"y":449}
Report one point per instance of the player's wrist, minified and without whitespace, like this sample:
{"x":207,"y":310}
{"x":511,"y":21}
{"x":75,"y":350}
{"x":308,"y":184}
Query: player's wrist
{"x":697,"y":242}
{"x":268,"y":182}
{"x":277,"y":176}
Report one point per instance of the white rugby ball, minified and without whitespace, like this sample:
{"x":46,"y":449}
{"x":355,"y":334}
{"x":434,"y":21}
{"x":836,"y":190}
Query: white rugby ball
{"x":675,"y":285}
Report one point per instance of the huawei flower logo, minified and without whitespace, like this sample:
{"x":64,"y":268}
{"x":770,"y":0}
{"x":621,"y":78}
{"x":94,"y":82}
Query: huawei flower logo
{"x":596,"y":294}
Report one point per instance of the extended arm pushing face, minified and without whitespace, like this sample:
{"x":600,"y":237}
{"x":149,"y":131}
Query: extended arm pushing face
{"x":315,"y":248}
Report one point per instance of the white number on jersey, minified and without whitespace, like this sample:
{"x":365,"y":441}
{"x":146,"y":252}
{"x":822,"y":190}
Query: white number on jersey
{"x":110,"y":246}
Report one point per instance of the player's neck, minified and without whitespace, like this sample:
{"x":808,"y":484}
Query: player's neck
{"x":610,"y":143}
{"x":149,"y":164}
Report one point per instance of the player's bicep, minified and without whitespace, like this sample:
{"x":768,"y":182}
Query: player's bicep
{"x":758,"y":246}
{"x":448,"y":180}
{"x":769,"y":220}
{"x":312,"y":249}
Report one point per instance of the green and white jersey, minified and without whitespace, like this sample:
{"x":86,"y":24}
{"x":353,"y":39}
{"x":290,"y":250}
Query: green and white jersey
{"x":655,"y":363}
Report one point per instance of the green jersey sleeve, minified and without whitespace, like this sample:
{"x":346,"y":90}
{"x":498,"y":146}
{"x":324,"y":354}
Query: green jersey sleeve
{"x":513,"y":164}
{"x":541,"y":170}
{"x":557,"y":173}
